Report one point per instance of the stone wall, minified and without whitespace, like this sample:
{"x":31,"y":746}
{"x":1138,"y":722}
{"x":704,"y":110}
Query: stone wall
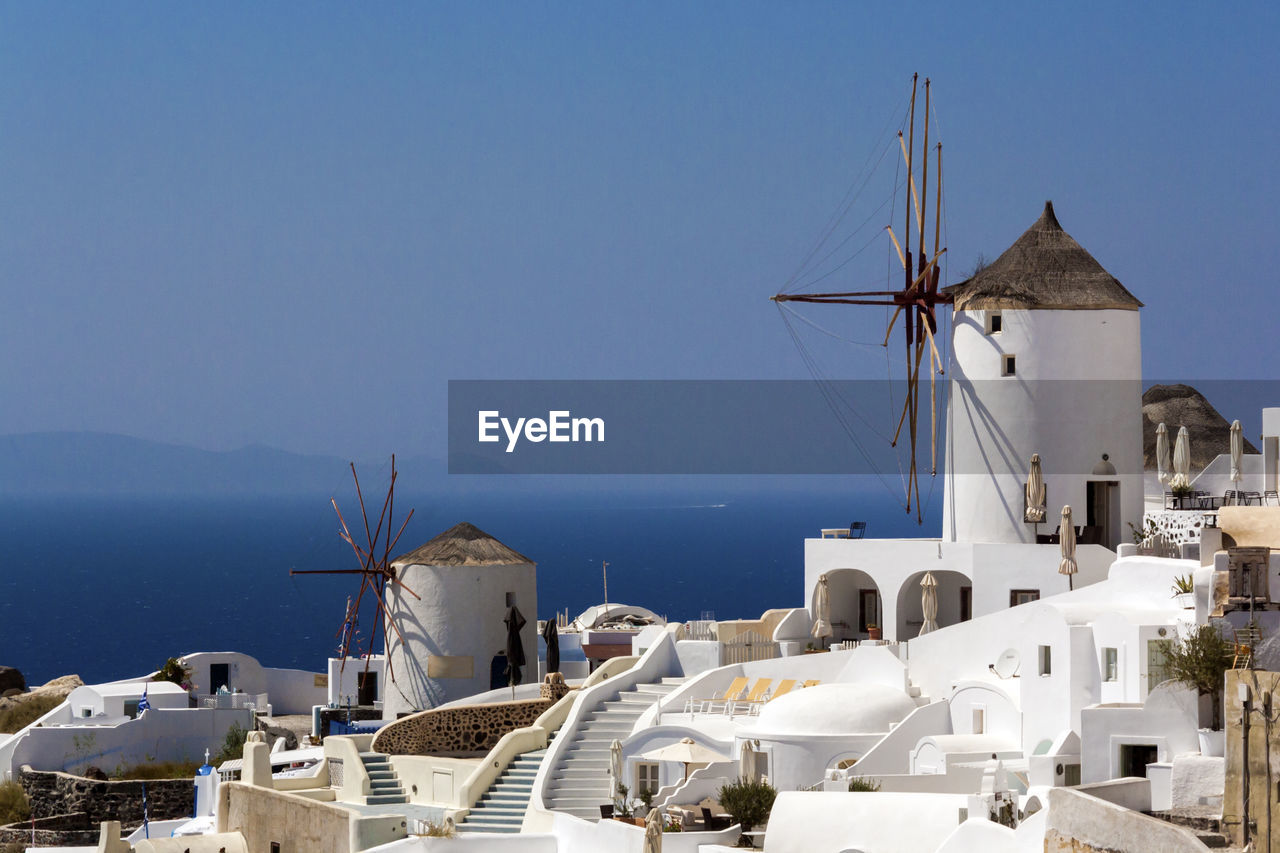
{"x":1080,"y":823}
{"x":461,"y":729}
{"x":1261,"y":760}
{"x":53,"y":793}
{"x":66,"y":830}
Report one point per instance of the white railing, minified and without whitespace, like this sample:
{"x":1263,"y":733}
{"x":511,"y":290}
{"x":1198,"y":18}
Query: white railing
{"x":700,"y":629}
{"x":252,"y":701}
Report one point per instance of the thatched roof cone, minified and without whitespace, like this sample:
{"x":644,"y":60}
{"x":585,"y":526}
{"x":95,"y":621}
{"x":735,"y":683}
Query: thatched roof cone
{"x":1045,"y":268}
{"x":462,"y":545}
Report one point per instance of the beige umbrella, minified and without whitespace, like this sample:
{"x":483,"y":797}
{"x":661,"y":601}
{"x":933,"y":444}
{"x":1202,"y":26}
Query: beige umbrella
{"x":1237,"y":452}
{"x":1181,"y":461}
{"x":615,"y":766}
{"x":929,"y":602}
{"x":1162,"y":454}
{"x":687,"y":752}
{"x":652,"y":833}
{"x":1068,"y":565}
{"x":1035,"y":492}
{"x":822,"y":611}
{"x":748,"y":762}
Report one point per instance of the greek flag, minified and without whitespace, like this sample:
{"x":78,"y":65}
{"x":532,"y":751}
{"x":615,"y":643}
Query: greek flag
{"x":143,"y":704}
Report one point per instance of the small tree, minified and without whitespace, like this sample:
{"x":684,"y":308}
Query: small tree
{"x":748,"y":801}
{"x":1200,"y":661}
{"x":863,"y":784}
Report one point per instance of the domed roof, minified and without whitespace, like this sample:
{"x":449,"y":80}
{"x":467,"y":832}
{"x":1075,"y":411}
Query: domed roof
{"x":836,"y":709}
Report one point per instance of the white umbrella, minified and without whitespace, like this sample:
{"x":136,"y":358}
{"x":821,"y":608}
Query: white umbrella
{"x":822,"y":611}
{"x":615,"y":765}
{"x":747,"y":761}
{"x":1035,"y":492}
{"x":652,"y":832}
{"x":1181,"y":461}
{"x":1068,"y":538}
{"x":1237,"y":452}
{"x":1162,"y":454}
{"x":687,"y":752}
{"x":929,"y":602}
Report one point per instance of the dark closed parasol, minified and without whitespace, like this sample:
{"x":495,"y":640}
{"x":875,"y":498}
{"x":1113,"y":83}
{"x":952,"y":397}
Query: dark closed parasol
{"x":551,"y":634}
{"x":515,"y":648}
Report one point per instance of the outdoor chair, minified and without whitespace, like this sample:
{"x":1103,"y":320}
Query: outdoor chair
{"x":733,"y":691}
{"x":606,"y":811}
{"x":1231,"y":498}
{"x":714,"y":823}
{"x":758,"y":691}
{"x":753,"y":707}
{"x":1271,"y":498}
{"x":1169,"y":501}
{"x":811,"y":683}
{"x":857,"y":530}
{"x":1251,"y":498}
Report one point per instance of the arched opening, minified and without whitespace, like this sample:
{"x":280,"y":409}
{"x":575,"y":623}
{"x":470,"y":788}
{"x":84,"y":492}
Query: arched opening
{"x":855,"y":604}
{"x":955,"y":602}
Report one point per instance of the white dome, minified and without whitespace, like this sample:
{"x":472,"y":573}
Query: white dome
{"x":836,"y":709}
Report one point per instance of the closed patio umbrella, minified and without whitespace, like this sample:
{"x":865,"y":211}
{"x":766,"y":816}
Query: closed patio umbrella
{"x":515,"y":648}
{"x":822,"y":611}
{"x":1162,"y":454}
{"x":652,"y":832}
{"x":1068,"y":565}
{"x":1237,"y":452}
{"x":551,"y":634}
{"x":615,"y":766}
{"x":929,"y":603}
{"x":1181,"y":461}
{"x":1035,"y":492}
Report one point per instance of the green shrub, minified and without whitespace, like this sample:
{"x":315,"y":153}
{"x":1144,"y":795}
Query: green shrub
{"x":232,"y":744}
{"x":17,"y":717}
{"x":748,"y":801}
{"x":863,"y":784}
{"x":13,"y":804}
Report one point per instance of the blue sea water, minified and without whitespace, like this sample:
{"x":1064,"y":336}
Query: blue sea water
{"x":108,"y":588}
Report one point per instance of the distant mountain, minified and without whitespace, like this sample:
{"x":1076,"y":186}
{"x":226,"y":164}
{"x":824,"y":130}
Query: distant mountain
{"x":1182,"y":405}
{"x":88,"y":463}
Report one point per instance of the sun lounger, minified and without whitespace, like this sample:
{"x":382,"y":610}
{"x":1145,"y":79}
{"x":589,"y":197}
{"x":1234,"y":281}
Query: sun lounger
{"x":735,"y":690}
{"x":784,"y":687}
{"x":811,"y":683}
{"x":756,"y":695}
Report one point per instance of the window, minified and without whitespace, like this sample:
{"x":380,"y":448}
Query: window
{"x":275,"y":847}
{"x":1071,"y":775}
{"x":1008,"y":365}
{"x":1023,"y":596}
{"x":995,"y":323}
{"x":131,"y":708}
{"x":979,"y":719}
{"x":646,"y":777}
{"x":966,"y":603}
{"x":1110,"y":664}
{"x":1046,"y":660}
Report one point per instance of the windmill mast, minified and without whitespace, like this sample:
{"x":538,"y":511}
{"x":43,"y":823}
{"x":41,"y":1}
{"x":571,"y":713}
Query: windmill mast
{"x":918,"y":298}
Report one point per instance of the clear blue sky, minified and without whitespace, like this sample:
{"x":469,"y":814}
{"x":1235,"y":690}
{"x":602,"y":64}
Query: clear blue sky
{"x":291,"y":224}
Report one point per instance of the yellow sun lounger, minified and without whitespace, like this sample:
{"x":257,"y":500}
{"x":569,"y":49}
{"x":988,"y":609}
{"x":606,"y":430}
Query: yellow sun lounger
{"x":735,"y":690}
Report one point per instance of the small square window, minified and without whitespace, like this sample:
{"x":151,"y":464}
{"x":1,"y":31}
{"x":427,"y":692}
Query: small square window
{"x":1023,"y":596}
{"x":1110,"y":664}
{"x":995,"y":323}
{"x":1008,"y":365}
{"x":1046,"y":660}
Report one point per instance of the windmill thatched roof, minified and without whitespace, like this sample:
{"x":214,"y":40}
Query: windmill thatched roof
{"x":462,"y":545}
{"x":1047,"y":269}
{"x":1182,"y":405}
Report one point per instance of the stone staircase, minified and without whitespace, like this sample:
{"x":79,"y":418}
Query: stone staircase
{"x":385,"y":786}
{"x":580,"y":783}
{"x":502,"y":807}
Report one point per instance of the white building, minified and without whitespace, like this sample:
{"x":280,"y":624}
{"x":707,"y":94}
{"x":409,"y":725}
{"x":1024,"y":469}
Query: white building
{"x":446,"y":637}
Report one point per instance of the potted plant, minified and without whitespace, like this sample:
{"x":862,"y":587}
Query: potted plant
{"x":873,"y":631}
{"x":1184,"y":591}
{"x":1200,"y":661}
{"x":749,"y":801}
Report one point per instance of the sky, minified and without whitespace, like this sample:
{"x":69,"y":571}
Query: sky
{"x":293,"y":224}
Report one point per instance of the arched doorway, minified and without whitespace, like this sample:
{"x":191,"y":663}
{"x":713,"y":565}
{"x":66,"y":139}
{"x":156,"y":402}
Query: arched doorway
{"x":855,"y":604}
{"x":955,"y":602}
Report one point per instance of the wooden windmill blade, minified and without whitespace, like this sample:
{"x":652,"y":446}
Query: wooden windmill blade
{"x":375,"y":570}
{"x":918,"y":299}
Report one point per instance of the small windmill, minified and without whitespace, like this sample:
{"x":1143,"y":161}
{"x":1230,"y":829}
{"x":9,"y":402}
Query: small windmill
{"x":918,"y":298}
{"x":375,"y":571}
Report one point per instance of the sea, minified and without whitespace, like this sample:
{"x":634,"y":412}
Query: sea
{"x":109,"y":587}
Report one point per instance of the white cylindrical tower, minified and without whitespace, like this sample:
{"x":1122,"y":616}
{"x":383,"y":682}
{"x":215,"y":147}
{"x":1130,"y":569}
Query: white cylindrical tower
{"x":1047,"y":359}
{"x":465,"y":581}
